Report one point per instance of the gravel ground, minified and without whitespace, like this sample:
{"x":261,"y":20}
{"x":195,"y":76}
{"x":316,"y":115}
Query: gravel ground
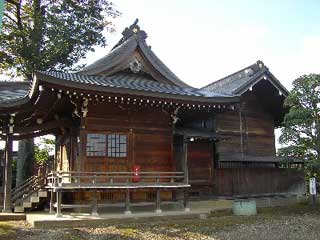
{"x":274,"y":224}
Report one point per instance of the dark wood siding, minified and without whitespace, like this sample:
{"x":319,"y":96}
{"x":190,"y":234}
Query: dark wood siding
{"x":149,"y":134}
{"x":250,"y":181}
{"x":246,"y":132}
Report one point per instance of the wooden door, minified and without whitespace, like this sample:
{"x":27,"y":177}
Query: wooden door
{"x":200,"y":162}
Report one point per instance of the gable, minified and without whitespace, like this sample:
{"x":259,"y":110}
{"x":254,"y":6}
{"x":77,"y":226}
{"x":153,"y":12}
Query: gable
{"x":133,"y":54}
{"x":268,"y":99}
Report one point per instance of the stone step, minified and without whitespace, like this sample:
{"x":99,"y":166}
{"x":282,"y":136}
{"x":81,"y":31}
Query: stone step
{"x":27,"y":204}
{"x":32,"y":195}
{"x":34,"y":199}
{"x":18,"y":209}
{"x":42,"y":193}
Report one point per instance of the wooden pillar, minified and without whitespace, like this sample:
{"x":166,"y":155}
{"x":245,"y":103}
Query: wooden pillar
{"x":186,"y":176}
{"x":158,"y":202}
{"x":59,"y":199}
{"x":185,"y":160}
{"x":127,"y":211}
{"x":7,"y":205}
{"x":94,"y":210}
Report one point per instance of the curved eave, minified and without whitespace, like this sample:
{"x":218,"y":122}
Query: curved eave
{"x":20,"y":102}
{"x":121,"y":90}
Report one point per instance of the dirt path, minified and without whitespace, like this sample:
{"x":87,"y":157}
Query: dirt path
{"x":284,"y":223}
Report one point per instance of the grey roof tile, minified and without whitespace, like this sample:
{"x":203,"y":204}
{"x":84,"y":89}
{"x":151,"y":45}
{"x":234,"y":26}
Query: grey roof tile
{"x":133,"y":81}
{"x":236,"y":83}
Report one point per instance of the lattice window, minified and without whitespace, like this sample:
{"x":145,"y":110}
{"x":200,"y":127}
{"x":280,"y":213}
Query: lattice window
{"x":117,"y":145}
{"x":96,"y":145}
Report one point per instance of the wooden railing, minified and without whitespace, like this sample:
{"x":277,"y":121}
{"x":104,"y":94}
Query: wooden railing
{"x":27,"y":188}
{"x":101,"y":179}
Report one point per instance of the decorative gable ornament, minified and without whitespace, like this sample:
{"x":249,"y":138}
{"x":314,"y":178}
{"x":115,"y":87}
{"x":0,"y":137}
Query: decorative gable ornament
{"x":135,"y":65}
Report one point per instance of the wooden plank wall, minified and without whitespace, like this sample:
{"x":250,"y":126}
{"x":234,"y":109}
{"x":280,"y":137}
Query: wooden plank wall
{"x":150,"y":143}
{"x":248,"y":181}
{"x":255,"y":137}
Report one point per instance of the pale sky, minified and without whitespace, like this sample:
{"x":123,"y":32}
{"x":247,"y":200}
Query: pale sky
{"x":202,"y":41}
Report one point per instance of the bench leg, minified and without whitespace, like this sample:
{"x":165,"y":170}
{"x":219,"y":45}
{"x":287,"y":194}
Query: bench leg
{"x":59,"y":199}
{"x":94,"y":210}
{"x":127,"y":211}
{"x":158,"y":202}
{"x":186,"y":201}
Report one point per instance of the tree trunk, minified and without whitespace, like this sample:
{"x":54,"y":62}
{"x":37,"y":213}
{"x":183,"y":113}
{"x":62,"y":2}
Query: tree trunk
{"x":25,"y":162}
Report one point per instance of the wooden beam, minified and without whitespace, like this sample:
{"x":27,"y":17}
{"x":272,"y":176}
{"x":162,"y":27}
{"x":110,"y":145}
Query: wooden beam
{"x":33,"y":135}
{"x":7,"y":205}
{"x":43,"y":127}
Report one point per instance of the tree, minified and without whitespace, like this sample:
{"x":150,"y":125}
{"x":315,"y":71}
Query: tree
{"x":301,"y":131}
{"x":50,"y":35}
{"x":44,"y":151}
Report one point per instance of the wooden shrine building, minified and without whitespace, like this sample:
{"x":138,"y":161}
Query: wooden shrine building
{"x":129,"y":130}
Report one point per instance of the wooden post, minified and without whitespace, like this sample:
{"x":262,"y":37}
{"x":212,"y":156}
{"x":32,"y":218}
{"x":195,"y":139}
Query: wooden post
{"x":7,"y":205}
{"x":94,"y":210}
{"x":186,"y":200}
{"x":59,"y":199}
{"x":241,"y":130}
{"x":158,"y":202}
{"x":127,"y":211}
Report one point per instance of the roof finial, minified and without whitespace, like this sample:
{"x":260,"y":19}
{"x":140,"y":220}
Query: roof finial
{"x":134,"y":29}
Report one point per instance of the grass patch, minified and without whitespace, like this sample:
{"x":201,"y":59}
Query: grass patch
{"x":298,"y":208}
{"x":7,"y":230}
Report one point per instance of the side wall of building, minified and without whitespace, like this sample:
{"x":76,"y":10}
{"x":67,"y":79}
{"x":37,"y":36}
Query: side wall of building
{"x":248,"y":132}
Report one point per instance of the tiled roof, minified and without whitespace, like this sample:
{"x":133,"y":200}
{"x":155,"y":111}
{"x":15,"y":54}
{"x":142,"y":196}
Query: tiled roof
{"x":129,"y":81}
{"x":240,"y":81}
{"x":13,"y":91}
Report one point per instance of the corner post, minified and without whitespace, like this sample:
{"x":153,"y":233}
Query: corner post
{"x":7,"y":205}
